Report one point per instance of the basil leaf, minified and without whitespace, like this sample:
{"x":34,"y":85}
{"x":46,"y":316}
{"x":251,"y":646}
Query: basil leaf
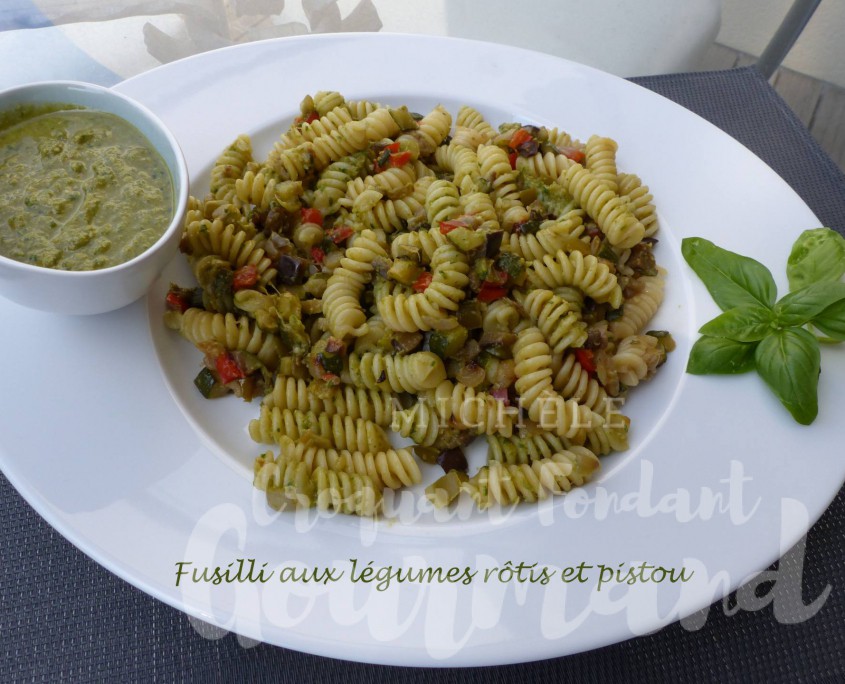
{"x":818,"y":255}
{"x":831,"y":321}
{"x":720,"y":355}
{"x":789,"y":362}
{"x":732,"y":279}
{"x":801,"y":306}
{"x":742,"y":324}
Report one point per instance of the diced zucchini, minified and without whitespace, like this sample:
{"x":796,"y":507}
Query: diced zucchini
{"x":447,"y":343}
{"x":445,"y":489}
{"x":466,"y":239}
{"x":208,"y":384}
{"x":404,"y":271}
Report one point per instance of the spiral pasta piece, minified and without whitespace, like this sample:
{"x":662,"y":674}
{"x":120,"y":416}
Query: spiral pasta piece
{"x":639,"y":201}
{"x":479,"y":412}
{"x":604,"y":439}
{"x":449,"y":267}
{"x":341,"y":432}
{"x":419,"y":423}
{"x":235,"y":333}
{"x":230,"y":243}
{"x":345,"y":493}
{"x":296,"y":163}
{"x":495,"y":170}
{"x":329,"y":122}
{"x":587,"y":273}
{"x":356,"y":402}
{"x":500,"y":315}
{"x":393,"y":183}
{"x":421,"y":243}
{"x":390,"y":215}
{"x":518,"y":449}
{"x":606,"y":208}
{"x":546,"y":165}
{"x":426,"y":310}
{"x":409,"y":312}
{"x":462,"y":161}
{"x":334,"y":180}
{"x":324,"y":101}
{"x":341,"y":299}
{"x":433,"y":130}
{"x":639,"y":308}
{"x":469,"y":117}
{"x":505,"y":484}
{"x":412,"y":373}
{"x":442,"y":202}
{"x":637,"y":358}
{"x":481,"y":206}
{"x":548,"y":240}
{"x":287,"y":484}
{"x":533,"y":368}
{"x":571,"y":381}
{"x":392,"y":468}
{"x":600,"y":159}
{"x":556,"y":318}
{"x":230,"y":166}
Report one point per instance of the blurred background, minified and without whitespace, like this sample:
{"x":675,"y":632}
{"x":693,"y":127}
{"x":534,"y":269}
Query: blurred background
{"x":106,"y":42}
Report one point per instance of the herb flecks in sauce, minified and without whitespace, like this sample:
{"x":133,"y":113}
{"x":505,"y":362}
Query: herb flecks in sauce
{"x":82,"y":189}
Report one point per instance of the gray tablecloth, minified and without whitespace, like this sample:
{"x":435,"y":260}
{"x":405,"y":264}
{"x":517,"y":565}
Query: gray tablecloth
{"x":64,"y":618}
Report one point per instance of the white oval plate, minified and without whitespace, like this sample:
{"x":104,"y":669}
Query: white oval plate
{"x":105,"y":436}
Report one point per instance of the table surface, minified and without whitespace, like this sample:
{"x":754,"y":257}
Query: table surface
{"x":64,"y":617}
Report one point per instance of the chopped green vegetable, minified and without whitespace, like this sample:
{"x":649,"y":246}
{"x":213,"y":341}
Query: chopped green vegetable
{"x":447,"y":343}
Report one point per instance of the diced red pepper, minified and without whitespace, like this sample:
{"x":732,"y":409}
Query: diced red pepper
{"x":587,"y":359}
{"x":227,"y":368}
{"x":574,"y":154}
{"x":317,"y":255}
{"x":512,"y":159}
{"x":331,"y":379}
{"x":520,"y":136}
{"x":391,"y":155}
{"x":421,"y":284}
{"x":246,"y":276}
{"x":312,"y":117}
{"x":490,"y":292}
{"x":447,"y":227}
{"x":400,"y":158}
{"x":340,"y":234}
{"x":312,"y":216}
{"x":177,"y":302}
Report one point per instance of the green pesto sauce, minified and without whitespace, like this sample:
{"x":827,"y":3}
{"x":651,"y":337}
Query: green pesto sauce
{"x":82,"y":189}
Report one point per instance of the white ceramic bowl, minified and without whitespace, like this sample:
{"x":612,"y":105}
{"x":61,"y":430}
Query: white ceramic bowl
{"x":106,"y":289}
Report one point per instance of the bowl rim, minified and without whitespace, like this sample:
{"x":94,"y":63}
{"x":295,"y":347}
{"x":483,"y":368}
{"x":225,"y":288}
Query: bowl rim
{"x":178,"y":170}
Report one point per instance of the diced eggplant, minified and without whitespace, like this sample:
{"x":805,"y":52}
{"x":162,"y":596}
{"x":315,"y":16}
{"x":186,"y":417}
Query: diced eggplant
{"x":493,"y":244}
{"x":291,"y":269}
{"x":470,"y":314}
{"x":453,"y":459}
{"x":406,"y":342}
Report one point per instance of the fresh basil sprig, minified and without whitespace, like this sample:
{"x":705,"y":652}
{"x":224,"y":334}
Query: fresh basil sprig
{"x":756,"y":332}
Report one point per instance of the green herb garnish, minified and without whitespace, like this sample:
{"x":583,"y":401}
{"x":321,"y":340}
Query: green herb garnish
{"x":758,"y":332}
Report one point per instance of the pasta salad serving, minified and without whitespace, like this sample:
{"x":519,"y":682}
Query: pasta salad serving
{"x":382,"y":273}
